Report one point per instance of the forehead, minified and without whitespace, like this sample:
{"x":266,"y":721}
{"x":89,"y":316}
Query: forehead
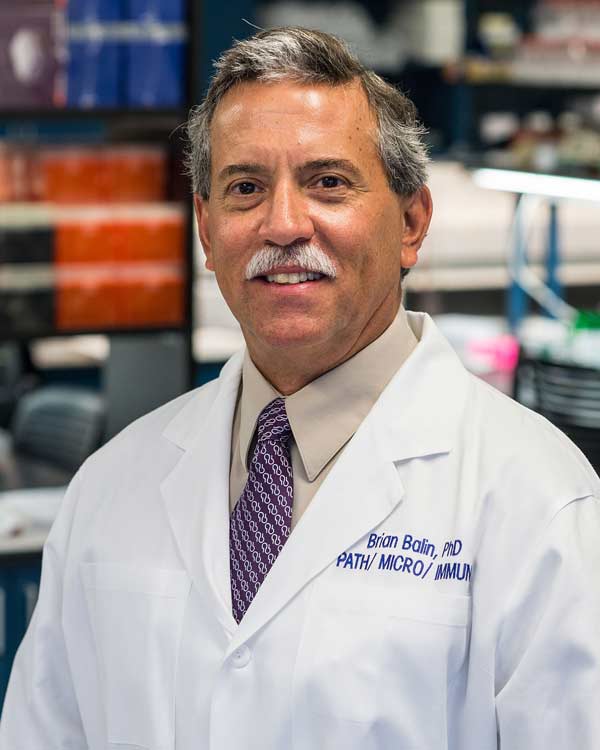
{"x":295,"y":119}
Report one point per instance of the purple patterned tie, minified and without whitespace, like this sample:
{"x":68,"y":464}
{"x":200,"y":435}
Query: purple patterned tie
{"x":261,"y":521}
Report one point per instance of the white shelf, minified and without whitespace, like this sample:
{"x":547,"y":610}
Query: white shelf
{"x":23,"y":544}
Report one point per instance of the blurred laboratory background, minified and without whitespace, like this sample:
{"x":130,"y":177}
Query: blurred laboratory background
{"x":106,"y":310}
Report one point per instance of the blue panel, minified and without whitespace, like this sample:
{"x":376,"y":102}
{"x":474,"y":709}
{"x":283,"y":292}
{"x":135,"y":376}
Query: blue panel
{"x":19,"y":580}
{"x":170,"y":11}
{"x":80,"y":11}
{"x":205,"y":372}
{"x":217,"y":34}
{"x":5,"y":655}
{"x":155,"y":74}
{"x":93,"y":74}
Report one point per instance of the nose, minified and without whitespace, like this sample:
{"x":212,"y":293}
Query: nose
{"x":286,"y":219}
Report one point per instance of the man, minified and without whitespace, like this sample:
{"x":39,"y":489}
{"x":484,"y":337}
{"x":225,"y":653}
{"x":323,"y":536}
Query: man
{"x":346,"y":541}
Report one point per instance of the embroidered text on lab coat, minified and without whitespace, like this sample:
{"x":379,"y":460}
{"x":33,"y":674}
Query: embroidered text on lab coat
{"x":400,"y":562}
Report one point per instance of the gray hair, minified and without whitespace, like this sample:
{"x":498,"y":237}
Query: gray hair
{"x":311,"y":57}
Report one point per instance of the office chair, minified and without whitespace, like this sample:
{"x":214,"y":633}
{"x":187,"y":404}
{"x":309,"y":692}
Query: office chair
{"x":53,"y":431}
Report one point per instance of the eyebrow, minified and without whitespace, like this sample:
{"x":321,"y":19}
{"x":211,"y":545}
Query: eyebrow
{"x":257,"y":169}
{"x":232,"y":169}
{"x":343,"y":164}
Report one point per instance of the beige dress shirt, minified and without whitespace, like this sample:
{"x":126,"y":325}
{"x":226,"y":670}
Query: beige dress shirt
{"x":323,"y":415}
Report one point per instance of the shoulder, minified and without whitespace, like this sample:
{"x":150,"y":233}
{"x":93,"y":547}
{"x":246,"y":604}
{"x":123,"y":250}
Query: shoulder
{"x":526,"y":456}
{"x":155,"y":430}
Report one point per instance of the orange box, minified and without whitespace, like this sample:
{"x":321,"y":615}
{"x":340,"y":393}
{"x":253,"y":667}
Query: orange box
{"x":85,"y":299}
{"x":120,"y":267}
{"x":157,"y":236}
{"x":6,"y":188}
{"x":135,"y":174}
{"x":79,"y":241}
{"x":72,"y":175}
{"x":155,"y":298}
{"x":123,"y":235}
{"x":105,"y":297}
{"x":18,"y":173}
{"x":119,"y":174}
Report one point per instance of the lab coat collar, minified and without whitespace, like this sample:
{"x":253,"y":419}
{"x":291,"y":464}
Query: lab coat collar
{"x":196,"y":492}
{"x":417,"y":415}
{"x":431,"y":386}
{"x":184,"y":429}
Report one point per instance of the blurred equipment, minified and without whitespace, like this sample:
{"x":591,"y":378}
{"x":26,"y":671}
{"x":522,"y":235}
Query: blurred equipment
{"x":155,"y":59}
{"x":28,"y":53}
{"x":141,"y":374}
{"x":484,"y":346}
{"x":53,"y":431}
{"x":531,"y":189}
{"x":100,"y":249}
{"x":434,"y":30}
{"x":15,"y":378}
{"x":105,"y":54}
{"x":566,"y":394}
{"x":558,"y":375}
{"x":380,"y":46}
{"x":126,"y":54}
{"x":499,"y":34}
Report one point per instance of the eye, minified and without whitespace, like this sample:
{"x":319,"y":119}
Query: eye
{"x":244,"y":188}
{"x":331,"y":181}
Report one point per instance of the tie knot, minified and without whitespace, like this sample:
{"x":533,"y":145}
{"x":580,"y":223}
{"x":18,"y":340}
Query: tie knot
{"x":273,"y":423}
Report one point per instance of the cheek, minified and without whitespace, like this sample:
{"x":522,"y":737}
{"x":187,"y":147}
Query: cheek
{"x":228,"y":251}
{"x":226,"y":229}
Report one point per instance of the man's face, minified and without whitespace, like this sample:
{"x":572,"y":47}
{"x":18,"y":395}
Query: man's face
{"x":295,"y":164}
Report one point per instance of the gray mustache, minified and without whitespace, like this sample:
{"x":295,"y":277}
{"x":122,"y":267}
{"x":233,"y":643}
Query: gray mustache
{"x":307,"y":256}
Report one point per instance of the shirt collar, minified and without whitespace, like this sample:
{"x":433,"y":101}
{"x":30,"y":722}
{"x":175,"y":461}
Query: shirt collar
{"x":337,"y":401}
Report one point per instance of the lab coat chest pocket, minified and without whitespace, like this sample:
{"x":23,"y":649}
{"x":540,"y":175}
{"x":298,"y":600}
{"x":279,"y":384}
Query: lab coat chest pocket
{"x":382,"y":656}
{"x":137,"y":616}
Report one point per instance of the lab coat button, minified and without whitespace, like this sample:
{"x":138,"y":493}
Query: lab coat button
{"x":241,"y":657}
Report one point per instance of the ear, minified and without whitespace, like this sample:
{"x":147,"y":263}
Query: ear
{"x":417,"y":217}
{"x":201,"y":210}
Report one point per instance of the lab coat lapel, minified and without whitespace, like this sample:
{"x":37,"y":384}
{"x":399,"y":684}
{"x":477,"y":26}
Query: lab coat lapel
{"x":359,"y":493}
{"x":196,"y":492}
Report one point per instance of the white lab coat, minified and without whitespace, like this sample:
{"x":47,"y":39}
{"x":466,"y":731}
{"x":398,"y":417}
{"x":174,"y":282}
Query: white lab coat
{"x":441,"y":592}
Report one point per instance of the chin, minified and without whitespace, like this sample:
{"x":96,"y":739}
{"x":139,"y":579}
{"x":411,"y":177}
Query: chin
{"x":288,"y":334}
